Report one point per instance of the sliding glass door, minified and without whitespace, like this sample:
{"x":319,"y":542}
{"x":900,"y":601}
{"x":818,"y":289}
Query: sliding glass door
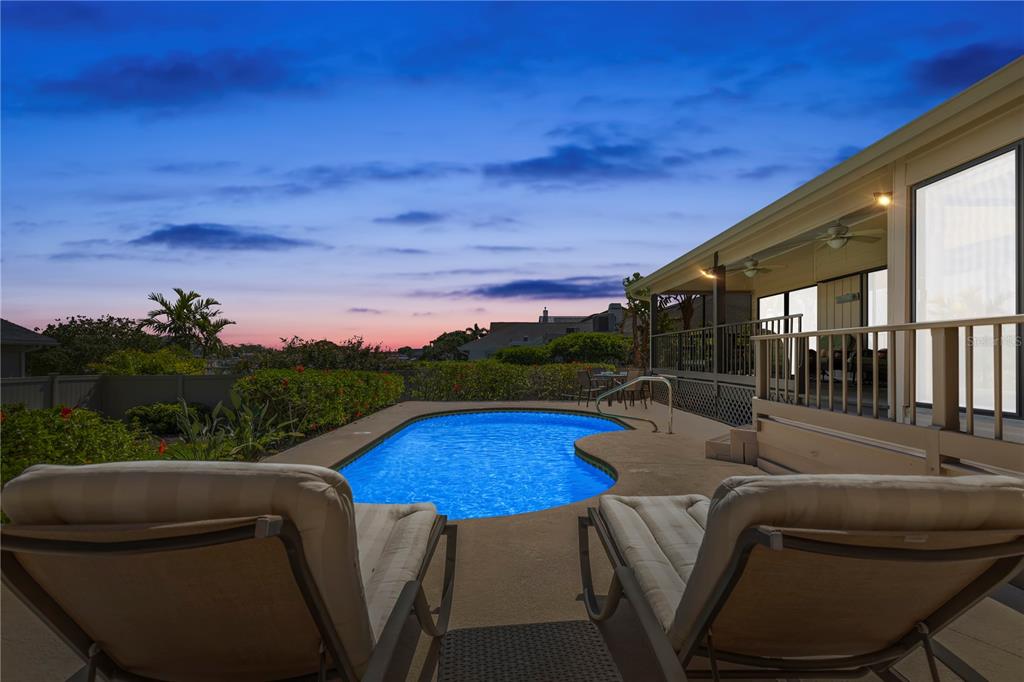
{"x":967,"y":265}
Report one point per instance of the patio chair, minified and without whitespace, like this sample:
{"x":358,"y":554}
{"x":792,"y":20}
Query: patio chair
{"x":638,"y":390}
{"x":222,"y":570}
{"x":586,"y":387}
{"x":806,"y":576}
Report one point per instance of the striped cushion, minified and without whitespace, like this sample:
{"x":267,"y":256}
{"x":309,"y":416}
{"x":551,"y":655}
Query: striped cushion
{"x":317,"y":500}
{"x":392,"y":545}
{"x":659,"y":537}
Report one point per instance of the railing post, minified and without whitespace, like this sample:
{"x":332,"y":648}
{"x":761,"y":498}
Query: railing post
{"x":760,"y":367}
{"x":946,"y":378}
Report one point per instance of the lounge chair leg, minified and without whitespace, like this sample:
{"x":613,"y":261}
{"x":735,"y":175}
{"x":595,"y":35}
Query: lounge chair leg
{"x":90,"y":669}
{"x":958,"y":665}
{"x":712,"y":658}
{"x":595,"y":611}
{"x":321,"y":676}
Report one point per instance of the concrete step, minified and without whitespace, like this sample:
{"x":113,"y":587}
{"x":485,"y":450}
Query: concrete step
{"x":738,"y":446}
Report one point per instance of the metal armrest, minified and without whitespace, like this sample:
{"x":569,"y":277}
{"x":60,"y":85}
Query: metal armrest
{"x":624,"y":583}
{"x":412,"y":599}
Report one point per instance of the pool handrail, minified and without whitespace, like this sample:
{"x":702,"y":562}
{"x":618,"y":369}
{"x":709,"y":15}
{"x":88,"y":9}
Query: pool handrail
{"x":614,"y":389}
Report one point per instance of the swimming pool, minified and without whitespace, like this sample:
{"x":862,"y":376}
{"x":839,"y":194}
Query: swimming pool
{"x":481,"y":464}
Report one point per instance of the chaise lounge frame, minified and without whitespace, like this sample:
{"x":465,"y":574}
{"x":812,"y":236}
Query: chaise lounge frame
{"x":334,"y":660}
{"x":1008,"y":560}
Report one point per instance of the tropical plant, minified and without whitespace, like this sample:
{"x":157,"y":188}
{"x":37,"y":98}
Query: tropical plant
{"x":638,"y":313}
{"x":204,"y":437}
{"x":87,"y":340}
{"x":255,"y":429}
{"x":168,"y":360}
{"x":446,"y":346}
{"x":190,"y":321}
{"x":161,"y":419}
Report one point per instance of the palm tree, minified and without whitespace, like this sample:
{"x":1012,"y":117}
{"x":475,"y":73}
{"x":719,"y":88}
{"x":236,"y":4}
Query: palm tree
{"x":190,"y":321}
{"x":475,"y":332}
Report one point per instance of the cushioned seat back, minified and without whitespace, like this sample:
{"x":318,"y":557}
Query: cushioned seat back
{"x":230,"y":611}
{"x":790,"y":603}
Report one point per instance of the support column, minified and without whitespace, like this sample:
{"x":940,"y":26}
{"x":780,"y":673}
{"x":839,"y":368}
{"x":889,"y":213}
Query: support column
{"x":718,"y":313}
{"x":652,"y":330}
{"x":945,"y":378}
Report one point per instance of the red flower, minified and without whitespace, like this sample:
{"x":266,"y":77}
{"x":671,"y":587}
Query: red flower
{"x":3,"y":416}
{"x":162,"y":448}
{"x":300,"y":369}
{"x":65,"y":412}
{"x":284,"y":382}
{"x":457,"y":387}
{"x":358,"y":415}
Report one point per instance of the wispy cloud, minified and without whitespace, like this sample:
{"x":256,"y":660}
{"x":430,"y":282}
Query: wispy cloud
{"x":412,"y":218}
{"x":218,"y":237}
{"x":192,"y":167}
{"x":715,"y":95}
{"x":403,"y":251}
{"x":365,"y":311}
{"x":763,"y":172}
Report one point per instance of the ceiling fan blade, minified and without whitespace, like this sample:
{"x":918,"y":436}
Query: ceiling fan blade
{"x":862,"y":238}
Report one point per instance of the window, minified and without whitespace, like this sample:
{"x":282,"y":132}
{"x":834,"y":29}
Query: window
{"x":966,"y":266}
{"x":771,"y":306}
{"x":877,"y":290}
{"x":805,"y":302}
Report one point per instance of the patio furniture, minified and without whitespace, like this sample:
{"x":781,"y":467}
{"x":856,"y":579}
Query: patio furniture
{"x":586,"y":387}
{"x":806,"y":576}
{"x":222,"y":570}
{"x":638,"y":390}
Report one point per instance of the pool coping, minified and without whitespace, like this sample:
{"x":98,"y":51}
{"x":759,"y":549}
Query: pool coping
{"x":590,"y":459}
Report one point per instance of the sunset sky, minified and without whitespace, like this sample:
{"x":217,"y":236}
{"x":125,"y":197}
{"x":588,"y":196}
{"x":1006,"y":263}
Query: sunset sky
{"x":396,"y":170}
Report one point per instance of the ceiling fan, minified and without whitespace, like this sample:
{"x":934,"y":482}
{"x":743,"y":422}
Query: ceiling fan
{"x":838,"y":235}
{"x":749,"y":268}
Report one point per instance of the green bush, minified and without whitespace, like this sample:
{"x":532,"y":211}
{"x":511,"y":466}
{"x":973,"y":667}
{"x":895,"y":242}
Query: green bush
{"x":493,"y":380}
{"x":316,"y":400}
{"x":62,"y":435}
{"x":161,"y":419}
{"x":590,"y":347}
{"x":170,"y":360}
{"x":523,"y":355}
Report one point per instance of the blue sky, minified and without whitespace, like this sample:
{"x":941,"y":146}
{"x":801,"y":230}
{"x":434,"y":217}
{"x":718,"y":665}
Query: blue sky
{"x":394,"y":170}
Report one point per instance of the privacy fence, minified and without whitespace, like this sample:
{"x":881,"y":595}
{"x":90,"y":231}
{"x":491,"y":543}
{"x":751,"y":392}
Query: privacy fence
{"x":113,"y":395}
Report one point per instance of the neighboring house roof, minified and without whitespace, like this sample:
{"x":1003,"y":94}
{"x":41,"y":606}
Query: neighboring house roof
{"x":15,"y":335}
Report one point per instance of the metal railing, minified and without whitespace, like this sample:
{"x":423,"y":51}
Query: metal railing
{"x":789,"y":369}
{"x":615,"y":389}
{"x":719,"y":349}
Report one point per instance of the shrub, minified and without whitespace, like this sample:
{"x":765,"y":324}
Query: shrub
{"x":590,"y":347}
{"x":353,"y":353}
{"x":492,"y":380}
{"x":170,"y":360}
{"x":86,"y":340}
{"x":65,"y":436}
{"x":315,"y":400}
{"x":161,"y":419}
{"x":523,"y":355}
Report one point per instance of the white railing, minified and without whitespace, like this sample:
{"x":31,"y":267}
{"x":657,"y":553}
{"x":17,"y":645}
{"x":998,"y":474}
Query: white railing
{"x":790,"y":370}
{"x":615,"y":389}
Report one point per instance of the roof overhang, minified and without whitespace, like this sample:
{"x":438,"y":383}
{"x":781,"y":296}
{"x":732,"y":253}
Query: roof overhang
{"x":848,"y":187}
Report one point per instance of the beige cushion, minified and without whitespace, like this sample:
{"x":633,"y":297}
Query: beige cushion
{"x":912,"y":507}
{"x":317,"y":500}
{"x":659,"y":537}
{"x":392,"y":545}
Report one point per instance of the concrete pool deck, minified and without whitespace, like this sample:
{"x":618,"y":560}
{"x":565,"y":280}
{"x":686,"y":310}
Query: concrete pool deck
{"x":524,"y":568}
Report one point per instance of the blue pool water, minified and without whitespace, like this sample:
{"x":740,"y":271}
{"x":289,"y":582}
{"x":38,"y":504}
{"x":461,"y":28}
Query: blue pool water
{"x":482,"y":464}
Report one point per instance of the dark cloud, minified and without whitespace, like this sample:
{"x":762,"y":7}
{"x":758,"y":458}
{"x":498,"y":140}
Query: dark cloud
{"x":365,"y":311}
{"x":174,"y":81}
{"x":217,"y":237}
{"x":763,"y":172}
{"x":324,"y":176}
{"x":192,"y":167}
{"x":50,"y":16}
{"x":592,"y":132}
{"x":515,"y":248}
{"x":956,"y":69}
{"x":82,"y":255}
{"x":503,"y":223}
{"x":567,"y":288}
{"x":412,"y":218}
{"x":423,"y":314}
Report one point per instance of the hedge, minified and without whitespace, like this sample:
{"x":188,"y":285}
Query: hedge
{"x":62,"y":435}
{"x":317,"y":400}
{"x":492,"y":380}
{"x":161,"y":419}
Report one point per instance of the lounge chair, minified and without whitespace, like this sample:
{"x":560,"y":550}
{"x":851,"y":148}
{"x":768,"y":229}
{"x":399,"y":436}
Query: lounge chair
{"x":806,"y":576}
{"x":221,"y":571}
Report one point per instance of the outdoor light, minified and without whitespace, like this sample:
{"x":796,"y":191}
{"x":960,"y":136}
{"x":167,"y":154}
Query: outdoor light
{"x":836,"y":242}
{"x":708,"y":274}
{"x":883,"y":198}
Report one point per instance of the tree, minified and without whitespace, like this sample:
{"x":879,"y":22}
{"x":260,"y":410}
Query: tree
{"x":446,"y":346}
{"x":167,"y":360}
{"x":589,"y":347}
{"x":638,"y":313}
{"x":190,"y":321}
{"x":86,"y":340}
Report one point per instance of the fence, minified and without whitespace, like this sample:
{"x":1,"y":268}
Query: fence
{"x":113,"y":395}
